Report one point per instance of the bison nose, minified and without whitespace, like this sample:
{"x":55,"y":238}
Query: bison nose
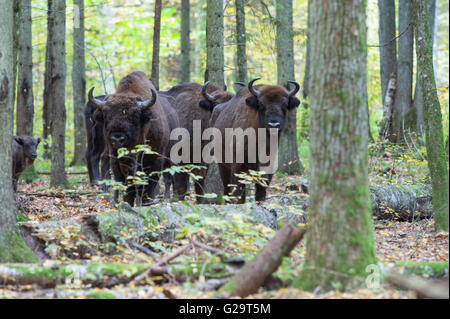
{"x":117,"y":138}
{"x":33,"y":156}
{"x":274,"y":124}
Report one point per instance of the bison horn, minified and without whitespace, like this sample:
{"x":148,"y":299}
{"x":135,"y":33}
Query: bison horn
{"x":251,"y":89}
{"x":95,"y":102}
{"x":207,"y":96}
{"x":240,"y":83}
{"x":148,"y":103}
{"x":295,"y":90}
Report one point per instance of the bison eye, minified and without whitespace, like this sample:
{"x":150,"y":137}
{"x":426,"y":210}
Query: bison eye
{"x":253,"y":102}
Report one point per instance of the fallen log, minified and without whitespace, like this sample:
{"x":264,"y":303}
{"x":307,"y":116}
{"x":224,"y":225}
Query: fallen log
{"x":424,"y":288}
{"x":402,"y":203}
{"x":254,"y":273}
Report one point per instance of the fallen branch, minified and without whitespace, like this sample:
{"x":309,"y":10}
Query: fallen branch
{"x":254,"y":273}
{"x":424,"y":288}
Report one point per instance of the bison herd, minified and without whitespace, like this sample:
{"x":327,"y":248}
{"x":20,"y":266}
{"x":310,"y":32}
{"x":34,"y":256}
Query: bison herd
{"x":138,"y":114}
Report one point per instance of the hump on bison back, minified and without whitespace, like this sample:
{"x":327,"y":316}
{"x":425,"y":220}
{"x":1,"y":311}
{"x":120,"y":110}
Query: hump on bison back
{"x":136,"y":82}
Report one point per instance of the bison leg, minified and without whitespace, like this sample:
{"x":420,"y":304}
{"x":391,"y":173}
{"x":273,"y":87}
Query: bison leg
{"x":167,"y":183}
{"x":180,"y":184}
{"x":225,"y":174}
{"x":260,"y":193}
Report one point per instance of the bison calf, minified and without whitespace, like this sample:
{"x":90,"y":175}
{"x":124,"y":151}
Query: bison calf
{"x":24,"y":153}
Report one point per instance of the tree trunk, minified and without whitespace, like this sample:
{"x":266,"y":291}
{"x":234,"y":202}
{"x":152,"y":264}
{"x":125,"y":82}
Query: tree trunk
{"x":418,"y":99}
{"x":16,"y":46}
{"x":432,"y":116}
{"x":403,"y":96}
{"x":388,"y":49}
{"x":185,"y":68}
{"x":288,"y":161}
{"x":156,"y":39}
{"x":25,"y":102}
{"x":241,"y":41}
{"x":12,"y":246}
{"x":304,"y":122}
{"x":79,"y":84}
{"x":214,"y":74}
{"x":339,"y":241}
{"x":57,"y":89}
{"x":214,"y":42}
{"x":47,"y":106}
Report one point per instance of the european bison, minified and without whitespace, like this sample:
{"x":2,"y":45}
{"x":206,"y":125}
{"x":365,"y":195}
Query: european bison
{"x":194,"y":102}
{"x":136,"y":115}
{"x":96,"y":146}
{"x":24,"y":153}
{"x":260,"y":106}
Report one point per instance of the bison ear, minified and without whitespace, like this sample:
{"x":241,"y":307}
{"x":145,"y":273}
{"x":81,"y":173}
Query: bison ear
{"x":97,"y":116}
{"x":18,"y":139}
{"x":206,"y":105}
{"x":252,"y":101}
{"x":293,"y":103}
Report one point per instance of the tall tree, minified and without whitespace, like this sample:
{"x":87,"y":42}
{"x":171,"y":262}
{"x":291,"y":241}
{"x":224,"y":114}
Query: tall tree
{"x":214,"y":74}
{"x":12,"y":246}
{"x":388,"y":50}
{"x":418,"y":101}
{"x":214,"y":42}
{"x":185,"y":63}
{"x":288,"y":160}
{"x":403,"y":95}
{"x":340,"y":242}
{"x":156,"y":40}
{"x":57,"y":89}
{"x":304,"y":124}
{"x":432,"y":115}
{"x":47,"y":106}
{"x":25,"y":101}
{"x":241,"y":41}
{"x":16,"y":45}
{"x":79,"y":83}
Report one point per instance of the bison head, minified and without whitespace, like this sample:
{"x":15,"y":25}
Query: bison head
{"x":214,"y":98}
{"x":123,"y":117}
{"x":272,"y":103}
{"x":29,"y":145}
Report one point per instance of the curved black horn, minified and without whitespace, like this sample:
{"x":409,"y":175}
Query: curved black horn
{"x":240,"y":83}
{"x":95,"y":102}
{"x":207,"y":96}
{"x":251,"y":89}
{"x":148,"y":103}
{"x":295,"y":90}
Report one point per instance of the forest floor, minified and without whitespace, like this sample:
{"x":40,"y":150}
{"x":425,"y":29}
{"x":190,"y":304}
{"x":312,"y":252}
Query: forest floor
{"x":396,"y":241}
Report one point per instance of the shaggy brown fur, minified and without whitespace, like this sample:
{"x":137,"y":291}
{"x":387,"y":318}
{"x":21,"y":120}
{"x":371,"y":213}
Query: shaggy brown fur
{"x":246,"y":111}
{"x":188,"y":98}
{"x":124,"y":118}
{"x":24,"y":153}
{"x":96,"y":145}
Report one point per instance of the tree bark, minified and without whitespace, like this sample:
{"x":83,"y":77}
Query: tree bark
{"x":185,"y":65}
{"x":340,"y":241}
{"x":57,"y":90}
{"x":156,"y":40}
{"x":16,"y":46}
{"x":254,"y":273}
{"x":437,"y":162}
{"x":214,"y":74}
{"x":47,"y":106}
{"x":214,"y":43}
{"x":241,"y":42}
{"x":388,"y":48}
{"x":418,"y":99}
{"x":25,"y":102}
{"x":79,"y":84}
{"x":12,"y":246}
{"x":288,"y":160}
{"x":403,"y":96}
